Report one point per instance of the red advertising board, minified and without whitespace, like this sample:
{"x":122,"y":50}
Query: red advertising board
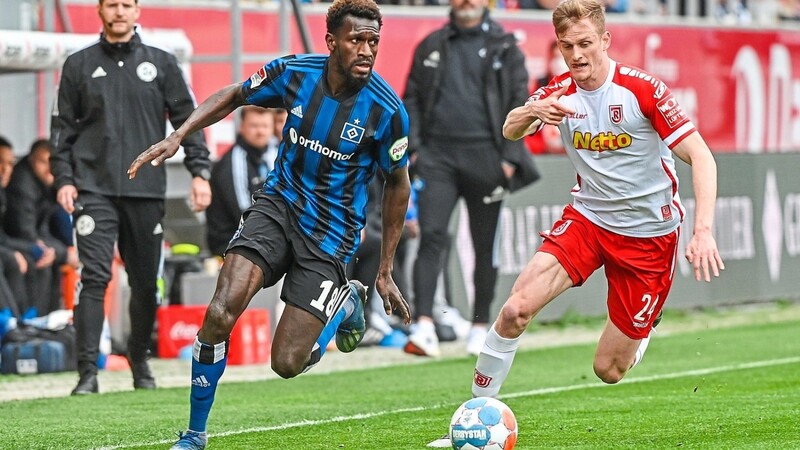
{"x":741,"y":87}
{"x":250,"y":341}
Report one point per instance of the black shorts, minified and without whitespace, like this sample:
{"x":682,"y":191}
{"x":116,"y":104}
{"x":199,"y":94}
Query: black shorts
{"x":270,"y":236}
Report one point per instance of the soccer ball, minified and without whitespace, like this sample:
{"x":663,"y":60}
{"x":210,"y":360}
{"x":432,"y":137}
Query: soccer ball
{"x":483,"y":423}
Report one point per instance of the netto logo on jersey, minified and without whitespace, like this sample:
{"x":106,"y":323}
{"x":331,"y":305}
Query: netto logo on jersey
{"x":602,"y":142}
{"x":314,"y":145}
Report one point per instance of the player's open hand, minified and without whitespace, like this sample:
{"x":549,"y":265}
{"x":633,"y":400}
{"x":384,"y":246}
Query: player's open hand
{"x":703,"y":254}
{"x":549,"y":109}
{"x":156,"y":154}
{"x":392,"y":298}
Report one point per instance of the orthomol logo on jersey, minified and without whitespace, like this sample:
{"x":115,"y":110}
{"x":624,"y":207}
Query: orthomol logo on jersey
{"x":314,"y":145}
{"x":601,"y":142}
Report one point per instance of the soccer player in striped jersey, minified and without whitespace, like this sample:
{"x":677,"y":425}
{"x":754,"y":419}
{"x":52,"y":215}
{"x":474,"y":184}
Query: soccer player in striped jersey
{"x":344,"y":123}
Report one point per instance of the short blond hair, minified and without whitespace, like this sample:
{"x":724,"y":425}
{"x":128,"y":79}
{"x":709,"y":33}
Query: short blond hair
{"x":572,"y":11}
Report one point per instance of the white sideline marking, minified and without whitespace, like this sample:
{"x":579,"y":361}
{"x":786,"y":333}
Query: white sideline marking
{"x":665,"y":376}
{"x":531,"y":393}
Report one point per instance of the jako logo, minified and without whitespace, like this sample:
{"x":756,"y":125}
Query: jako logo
{"x":601,"y":142}
{"x":315,"y":146}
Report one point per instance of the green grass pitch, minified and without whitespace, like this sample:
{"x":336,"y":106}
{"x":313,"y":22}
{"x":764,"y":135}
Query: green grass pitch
{"x":731,"y":388}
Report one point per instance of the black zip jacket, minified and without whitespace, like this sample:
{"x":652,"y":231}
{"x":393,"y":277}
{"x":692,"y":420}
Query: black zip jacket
{"x":30,"y":209}
{"x":113,"y":103}
{"x":231,"y":182}
{"x":506,"y":88}
{"x":10,"y":244}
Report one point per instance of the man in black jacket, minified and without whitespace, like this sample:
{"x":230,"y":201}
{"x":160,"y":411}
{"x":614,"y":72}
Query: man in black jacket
{"x":13,"y":263}
{"x":112,"y":102}
{"x":32,"y":216}
{"x":464,"y":79}
{"x":238,"y":174}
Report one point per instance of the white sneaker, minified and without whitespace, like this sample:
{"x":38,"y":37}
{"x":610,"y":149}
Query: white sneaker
{"x":442,"y":442}
{"x":450,"y":316}
{"x":379,"y":322}
{"x":423,"y":341}
{"x":475,"y":340}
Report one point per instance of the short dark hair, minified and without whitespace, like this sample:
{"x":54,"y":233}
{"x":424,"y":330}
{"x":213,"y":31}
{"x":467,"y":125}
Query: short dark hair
{"x":365,"y":9}
{"x":40,"y":144}
{"x":5,"y":142}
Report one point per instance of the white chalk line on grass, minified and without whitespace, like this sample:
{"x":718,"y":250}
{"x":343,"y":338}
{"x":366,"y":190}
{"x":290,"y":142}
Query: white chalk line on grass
{"x":531,"y":393}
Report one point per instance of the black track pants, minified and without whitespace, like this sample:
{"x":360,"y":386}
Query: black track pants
{"x":449,"y":170}
{"x":135,"y":224}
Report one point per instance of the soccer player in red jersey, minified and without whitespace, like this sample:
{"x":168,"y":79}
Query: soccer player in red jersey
{"x":621,"y":127}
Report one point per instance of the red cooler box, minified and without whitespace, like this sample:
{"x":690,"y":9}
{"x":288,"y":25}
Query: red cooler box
{"x":250,"y":340}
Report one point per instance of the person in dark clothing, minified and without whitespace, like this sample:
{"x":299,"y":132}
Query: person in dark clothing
{"x":32,"y":210}
{"x":464,"y":79}
{"x":239,"y":174}
{"x":113,"y":99}
{"x":366,"y":260}
{"x":13,"y":264}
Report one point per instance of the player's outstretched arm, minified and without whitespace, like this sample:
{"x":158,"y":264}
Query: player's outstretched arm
{"x":702,"y":249}
{"x":396,"y":190}
{"x":215,"y":108}
{"x":528,"y":118}
{"x":519,"y":123}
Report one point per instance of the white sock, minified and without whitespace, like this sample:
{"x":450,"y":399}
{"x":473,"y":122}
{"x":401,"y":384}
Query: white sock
{"x":494,"y":363}
{"x":640,"y":351}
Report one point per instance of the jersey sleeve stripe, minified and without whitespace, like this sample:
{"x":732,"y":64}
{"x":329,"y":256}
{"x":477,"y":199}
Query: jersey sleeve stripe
{"x":292,"y":87}
{"x":311,"y":61}
{"x":391,"y":100}
{"x":680,"y":134}
{"x":276,"y":71}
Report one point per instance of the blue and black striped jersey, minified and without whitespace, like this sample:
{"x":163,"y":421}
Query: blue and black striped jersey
{"x":331,"y":146}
